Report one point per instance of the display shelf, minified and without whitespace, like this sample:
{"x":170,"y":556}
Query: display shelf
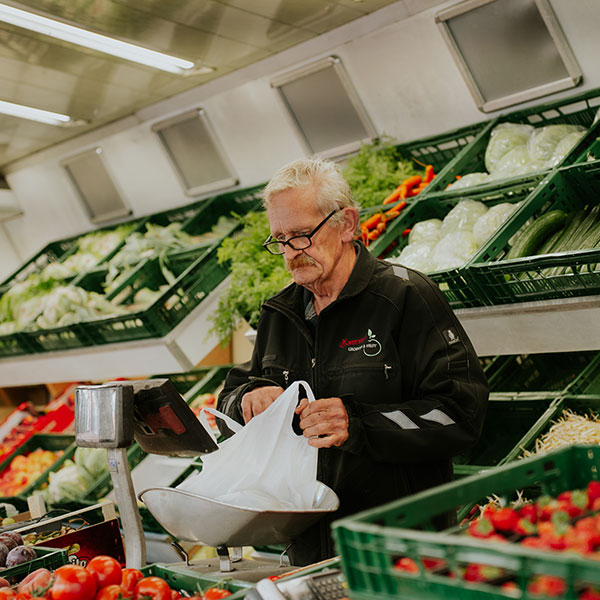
{"x":565,"y":325}
{"x":183,"y":348}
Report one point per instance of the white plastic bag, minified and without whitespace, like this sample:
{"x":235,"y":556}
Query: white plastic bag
{"x":265,"y":465}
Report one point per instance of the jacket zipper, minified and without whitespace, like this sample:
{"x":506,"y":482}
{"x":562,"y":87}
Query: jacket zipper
{"x":386,"y":368}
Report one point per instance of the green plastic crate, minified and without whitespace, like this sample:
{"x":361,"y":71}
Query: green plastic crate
{"x":51,"y":252}
{"x":587,"y":150}
{"x":575,"y":110}
{"x":16,"y":344}
{"x":46,"y":441}
{"x":459,"y":291}
{"x":199,"y":217}
{"x":48,"y":558}
{"x":526,"y":279}
{"x":195,"y":280}
{"x":550,"y":372}
{"x":439,"y":150}
{"x":512,"y":424}
{"x":588,"y":381}
{"x":186,"y":579}
{"x":371,"y":541}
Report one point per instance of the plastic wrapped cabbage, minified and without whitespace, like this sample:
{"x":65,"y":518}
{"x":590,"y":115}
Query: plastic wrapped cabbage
{"x":516,"y":162}
{"x":68,"y":483}
{"x":453,"y":250}
{"x":504,"y":138}
{"x":92,"y":461}
{"x":425,"y":231}
{"x":491,"y":221}
{"x":470,"y":179}
{"x":544,"y":140}
{"x":416,"y":256}
{"x":463,"y":216}
{"x":564,"y":147}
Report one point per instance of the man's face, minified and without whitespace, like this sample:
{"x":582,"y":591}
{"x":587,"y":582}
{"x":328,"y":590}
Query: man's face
{"x":295,"y":212}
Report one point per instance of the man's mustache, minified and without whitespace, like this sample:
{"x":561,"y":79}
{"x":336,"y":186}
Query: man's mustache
{"x":300,"y":261}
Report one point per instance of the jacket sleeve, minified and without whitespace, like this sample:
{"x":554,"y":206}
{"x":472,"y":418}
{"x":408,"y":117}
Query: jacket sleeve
{"x":240,"y":380}
{"x":440,"y":413}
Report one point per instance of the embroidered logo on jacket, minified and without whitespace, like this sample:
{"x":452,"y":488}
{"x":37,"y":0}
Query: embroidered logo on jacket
{"x":369,"y":344}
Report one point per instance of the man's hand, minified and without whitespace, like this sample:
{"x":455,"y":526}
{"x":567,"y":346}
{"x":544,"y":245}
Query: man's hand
{"x":324,"y":422}
{"x":258,"y":400}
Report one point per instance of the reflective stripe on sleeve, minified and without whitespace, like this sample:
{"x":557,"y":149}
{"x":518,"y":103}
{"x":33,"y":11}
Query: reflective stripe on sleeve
{"x":398,"y":417}
{"x":437,"y":416}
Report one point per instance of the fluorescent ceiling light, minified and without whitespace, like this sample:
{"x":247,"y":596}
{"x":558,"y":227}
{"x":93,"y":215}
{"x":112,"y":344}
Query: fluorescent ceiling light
{"x":101,"y":43}
{"x":35,"y":114}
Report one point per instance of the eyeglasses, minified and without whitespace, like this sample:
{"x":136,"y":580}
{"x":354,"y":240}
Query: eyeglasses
{"x":296,"y":242}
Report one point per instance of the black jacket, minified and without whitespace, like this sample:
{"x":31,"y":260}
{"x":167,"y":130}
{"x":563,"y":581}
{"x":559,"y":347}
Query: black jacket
{"x":393,"y":350}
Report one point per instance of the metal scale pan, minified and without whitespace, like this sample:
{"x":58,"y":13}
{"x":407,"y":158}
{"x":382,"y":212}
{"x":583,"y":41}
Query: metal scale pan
{"x":196,"y":518}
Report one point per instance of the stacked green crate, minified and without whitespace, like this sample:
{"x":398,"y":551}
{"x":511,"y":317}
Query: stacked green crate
{"x":548,"y":276}
{"x":551,"y":372}
{"x":460,"y":291}
{"x":580,"y":109}
{"x":62,"y":444}
{"x":370,"y":543}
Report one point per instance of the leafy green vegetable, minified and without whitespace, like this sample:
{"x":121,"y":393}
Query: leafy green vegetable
{"x":375,"y":171}
{"x":255,"y":276}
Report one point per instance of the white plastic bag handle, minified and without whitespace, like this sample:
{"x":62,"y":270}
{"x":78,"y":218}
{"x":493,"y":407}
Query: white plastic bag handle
{"x":233,"y":425}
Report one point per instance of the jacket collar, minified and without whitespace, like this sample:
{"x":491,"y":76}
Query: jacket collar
{"x":292,"y":295}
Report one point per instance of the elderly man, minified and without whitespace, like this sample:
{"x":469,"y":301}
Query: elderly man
{"x":399,"y":387}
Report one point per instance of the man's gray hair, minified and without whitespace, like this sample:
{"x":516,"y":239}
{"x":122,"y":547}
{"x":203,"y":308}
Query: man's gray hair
{"x":331,"y":188}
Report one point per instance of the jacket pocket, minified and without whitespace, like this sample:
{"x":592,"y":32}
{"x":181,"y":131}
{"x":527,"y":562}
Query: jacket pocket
{"x":373,"y":383}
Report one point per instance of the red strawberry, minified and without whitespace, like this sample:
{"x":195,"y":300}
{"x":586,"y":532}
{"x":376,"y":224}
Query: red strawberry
{"x":525,"y":527}
{"x":478,"y":572}
{"x":406,"y":564}
{"x":593,"y":492}
{"x":482,"y":528}
{"x":590,"y":594}
{"x":547,"y":585}
{"x":529,"y":511}
{"x":505,"y":519}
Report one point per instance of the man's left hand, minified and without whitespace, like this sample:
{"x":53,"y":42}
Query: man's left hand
{"x":324,"y":422}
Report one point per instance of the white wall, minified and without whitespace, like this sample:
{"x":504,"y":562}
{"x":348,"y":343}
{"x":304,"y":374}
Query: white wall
{"x":395,"y":57}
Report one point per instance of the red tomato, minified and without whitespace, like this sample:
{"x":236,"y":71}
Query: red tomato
{"x":175,"y":595}
{"x":105,"y":569}
{"x":112,"y":592}
{"x":7,"y":593}
{"x":152,"y":588}
{"x":129,"y":578}
{"x":215,"y":593}
{"x":73,"y":582}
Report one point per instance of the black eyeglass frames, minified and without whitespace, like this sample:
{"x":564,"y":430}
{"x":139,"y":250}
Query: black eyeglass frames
{"x":296,"y":242}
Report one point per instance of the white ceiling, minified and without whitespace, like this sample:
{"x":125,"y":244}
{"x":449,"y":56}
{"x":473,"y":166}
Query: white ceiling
{"x":42,"y":72}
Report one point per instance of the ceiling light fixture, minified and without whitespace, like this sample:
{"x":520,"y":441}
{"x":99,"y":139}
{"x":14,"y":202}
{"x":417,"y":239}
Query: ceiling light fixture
{"x":101,"y":43}
{"x":36,"y":114}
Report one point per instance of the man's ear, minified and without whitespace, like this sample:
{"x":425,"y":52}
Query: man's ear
{"x":350,"y":223}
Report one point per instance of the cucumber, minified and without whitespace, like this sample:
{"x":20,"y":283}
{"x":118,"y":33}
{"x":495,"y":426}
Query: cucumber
{"x":574,"y":222}
{"x":536,"y":233}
